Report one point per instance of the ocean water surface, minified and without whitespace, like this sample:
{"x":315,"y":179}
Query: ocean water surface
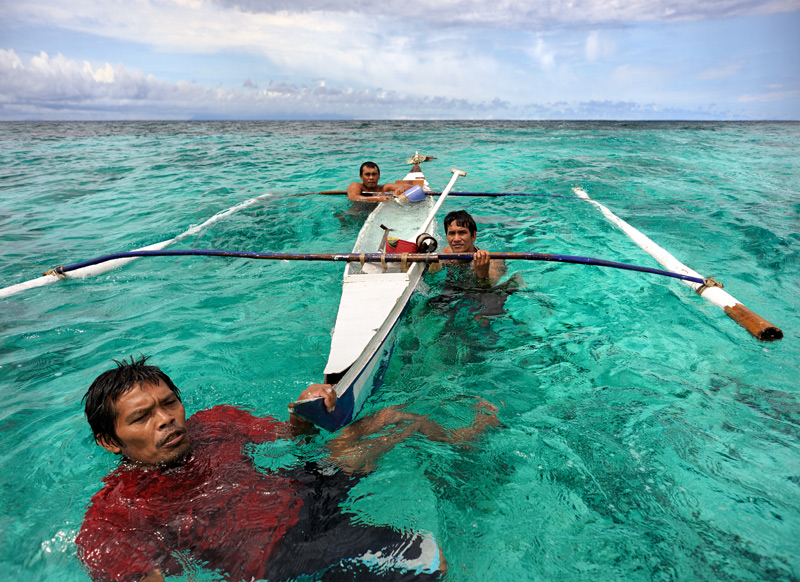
{"x":644,"y":435}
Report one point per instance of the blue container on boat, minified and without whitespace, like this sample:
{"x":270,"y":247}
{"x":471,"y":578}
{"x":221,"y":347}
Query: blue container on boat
{"x":415,"y":194}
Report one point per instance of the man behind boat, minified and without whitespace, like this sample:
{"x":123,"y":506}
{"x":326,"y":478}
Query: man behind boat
{"x":370,"y":176}
{"x":188,"y":493}
{"x":461,"y":232}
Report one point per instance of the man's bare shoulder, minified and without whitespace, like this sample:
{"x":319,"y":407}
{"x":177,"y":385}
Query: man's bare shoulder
{"x":355,"y":190}
{"x":356,"y":187}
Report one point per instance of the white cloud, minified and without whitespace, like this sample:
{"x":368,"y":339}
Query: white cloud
{"x":59,"y":78}
{"x":59,"y":88}
{"x":724,"y":71}
{"x":768,"y":96}
{"x":189,"y":26}
{"x":598,"y":47}
{"x":317,"y":36}
{"x":355,"y":49}
{"x":434,"y":61}
{"x":56,"y":87}
{"x":543,"y":54}
{"x":524,"y":14}
{"x":441,"y":49}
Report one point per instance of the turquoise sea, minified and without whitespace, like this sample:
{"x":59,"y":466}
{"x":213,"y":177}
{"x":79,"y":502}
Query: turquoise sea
{"x":645,"y":436}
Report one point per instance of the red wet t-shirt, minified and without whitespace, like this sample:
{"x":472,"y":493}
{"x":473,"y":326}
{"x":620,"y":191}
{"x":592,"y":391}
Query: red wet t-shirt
{"x":215,"y":508}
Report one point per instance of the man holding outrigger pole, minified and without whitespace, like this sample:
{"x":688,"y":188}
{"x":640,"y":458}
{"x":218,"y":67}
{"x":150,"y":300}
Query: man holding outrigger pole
{"x":461,"y":232}
{"x":476,"y":281}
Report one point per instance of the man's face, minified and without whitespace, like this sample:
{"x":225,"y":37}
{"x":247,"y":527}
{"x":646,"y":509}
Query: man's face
{"x":460,"y":239}
{"x":370,"y":177}
{"x":151,"y":423}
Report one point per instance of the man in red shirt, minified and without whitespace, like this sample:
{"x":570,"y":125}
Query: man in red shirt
{"x":188,"y":495}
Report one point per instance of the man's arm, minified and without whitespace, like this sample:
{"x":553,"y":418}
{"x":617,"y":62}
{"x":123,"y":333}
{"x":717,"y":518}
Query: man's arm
{"x":396,"y":188}
{"x":491,"y":270}
{"x":360,"y":445}
{"x":356,"y":189}
{"x":355,"y":192}
{"x":111,"y":549}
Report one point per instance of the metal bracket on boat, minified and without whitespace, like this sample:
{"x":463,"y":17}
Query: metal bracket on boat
{"x":384,"y":242}
{"x":385,"y":239}
{"x":708,"y":282}
{"x":56,"y":272}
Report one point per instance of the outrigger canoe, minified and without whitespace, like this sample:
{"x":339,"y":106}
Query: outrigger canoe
{"x":374,"y":297}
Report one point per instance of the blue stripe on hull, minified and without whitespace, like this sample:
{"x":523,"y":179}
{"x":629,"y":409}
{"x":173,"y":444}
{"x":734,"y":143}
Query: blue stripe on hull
{"x":351,"y":400}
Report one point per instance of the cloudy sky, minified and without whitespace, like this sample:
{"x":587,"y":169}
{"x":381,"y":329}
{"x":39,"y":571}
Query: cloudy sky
{"x":399,"y":59}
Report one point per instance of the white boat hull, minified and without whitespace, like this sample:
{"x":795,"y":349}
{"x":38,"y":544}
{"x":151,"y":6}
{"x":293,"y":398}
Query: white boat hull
{"x":365,"y":374}
{"x":370,"y":295}
{"x":374,"y":298}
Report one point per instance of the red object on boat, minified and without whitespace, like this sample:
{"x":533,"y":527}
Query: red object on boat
{"x":401,"y":246}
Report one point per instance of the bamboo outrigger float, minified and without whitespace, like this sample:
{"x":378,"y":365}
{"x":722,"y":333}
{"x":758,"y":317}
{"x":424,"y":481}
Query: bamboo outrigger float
{"x":756,"y":325}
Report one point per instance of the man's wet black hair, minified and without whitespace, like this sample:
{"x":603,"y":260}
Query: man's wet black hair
{"x":101,"y":398}
{"x":368,"y":165}
{"x":461,"y":218}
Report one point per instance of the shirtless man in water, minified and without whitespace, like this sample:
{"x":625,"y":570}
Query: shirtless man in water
{"x":370,"y":176}
{"x":461,"y":232}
